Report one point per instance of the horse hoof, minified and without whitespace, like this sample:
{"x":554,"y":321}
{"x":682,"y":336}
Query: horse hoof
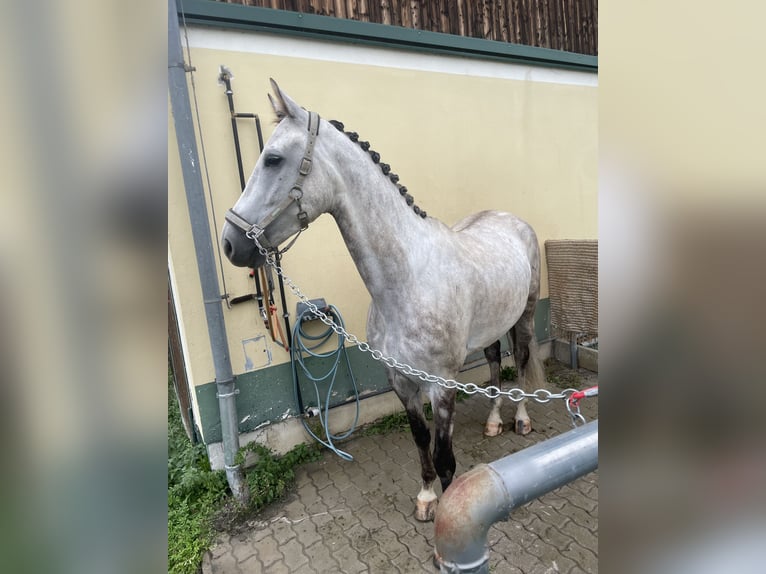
{"x":425,"y":510}
{"x":523,"y":426}
{"x":493,"y":429}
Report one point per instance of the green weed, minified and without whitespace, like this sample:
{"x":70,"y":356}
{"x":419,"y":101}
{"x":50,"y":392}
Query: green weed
{"x":562,"y":377}
{"x":271,"y":476}
{"x":508,"y":373}
{"x":194,"y":491}
{"x":199,"y":500}
{"x":395,"y":423}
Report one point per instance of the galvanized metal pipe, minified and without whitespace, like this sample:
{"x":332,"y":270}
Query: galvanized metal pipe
{"x":489,"y":492}
{"x":573,"y":350}
{"x":200,"y":226}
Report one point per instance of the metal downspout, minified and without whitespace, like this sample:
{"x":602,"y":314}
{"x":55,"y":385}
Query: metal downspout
{"x":489,"y":492}
{"x":195,"y":197}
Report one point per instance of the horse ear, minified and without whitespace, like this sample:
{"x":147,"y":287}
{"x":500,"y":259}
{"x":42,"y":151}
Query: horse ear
{"x":283,"y":105}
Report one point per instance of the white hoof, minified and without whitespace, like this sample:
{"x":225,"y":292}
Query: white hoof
{"x":425,"y":510}
{"x":493,"y":429}
{"x":523,"y":426}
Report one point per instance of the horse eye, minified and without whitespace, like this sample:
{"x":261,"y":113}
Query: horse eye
{"x":272,"y":160}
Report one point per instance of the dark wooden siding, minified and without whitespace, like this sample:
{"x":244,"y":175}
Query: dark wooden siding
{"x":569,"y":25}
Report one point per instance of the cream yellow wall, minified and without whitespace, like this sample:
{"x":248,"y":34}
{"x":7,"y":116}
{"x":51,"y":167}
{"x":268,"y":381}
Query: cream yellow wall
{"x":461,"y":140}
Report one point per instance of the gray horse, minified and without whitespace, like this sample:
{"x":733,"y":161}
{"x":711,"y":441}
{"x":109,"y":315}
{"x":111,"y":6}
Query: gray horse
{"x":438,"y":293}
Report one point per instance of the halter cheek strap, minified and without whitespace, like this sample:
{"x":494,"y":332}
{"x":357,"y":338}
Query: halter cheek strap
{"x":256,"y":230}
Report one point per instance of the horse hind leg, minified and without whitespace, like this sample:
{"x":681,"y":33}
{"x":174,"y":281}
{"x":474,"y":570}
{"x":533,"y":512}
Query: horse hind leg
{"x":494,"y":424}
{"x":526,"y":357}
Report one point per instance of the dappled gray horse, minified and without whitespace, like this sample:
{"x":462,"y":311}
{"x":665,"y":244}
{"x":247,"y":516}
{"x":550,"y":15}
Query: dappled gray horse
{"x":438,"y":293}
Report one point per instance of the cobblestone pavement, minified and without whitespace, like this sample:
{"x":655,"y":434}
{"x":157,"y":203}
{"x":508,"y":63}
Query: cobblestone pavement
{"x":357,"y":516}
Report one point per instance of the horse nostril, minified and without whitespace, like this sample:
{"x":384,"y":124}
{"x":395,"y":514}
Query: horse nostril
{"x":227,"y":248}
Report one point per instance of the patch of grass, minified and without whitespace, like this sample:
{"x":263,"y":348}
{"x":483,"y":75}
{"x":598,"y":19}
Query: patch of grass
{"x":390,"y":423}
{"x":508,"y":373}
{"x":194,"y":492}
{"x":199,"y":500}
{"x":395,"y":423}
{"x":562,"y":377}
{"x":271,"y":476}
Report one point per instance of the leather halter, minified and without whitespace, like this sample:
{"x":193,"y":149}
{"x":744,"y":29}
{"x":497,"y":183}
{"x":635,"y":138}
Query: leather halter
{"x":256,"y":230}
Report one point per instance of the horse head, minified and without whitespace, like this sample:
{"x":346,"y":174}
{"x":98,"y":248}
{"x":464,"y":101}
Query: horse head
{"x":287,"y":190}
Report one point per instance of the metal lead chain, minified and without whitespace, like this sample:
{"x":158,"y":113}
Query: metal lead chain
{"x":516,"y":394}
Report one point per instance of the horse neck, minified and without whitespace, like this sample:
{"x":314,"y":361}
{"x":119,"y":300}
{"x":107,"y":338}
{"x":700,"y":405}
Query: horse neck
{"x":386,"y":239}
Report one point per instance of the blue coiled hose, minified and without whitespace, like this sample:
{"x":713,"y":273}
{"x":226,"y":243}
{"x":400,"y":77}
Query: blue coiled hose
{"x":304,"y":346}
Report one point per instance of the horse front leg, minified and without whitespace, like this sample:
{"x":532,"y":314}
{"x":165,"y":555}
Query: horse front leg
{"x":443,"y":403}
{"x":412,"y":399}
{"x":494,"y":424}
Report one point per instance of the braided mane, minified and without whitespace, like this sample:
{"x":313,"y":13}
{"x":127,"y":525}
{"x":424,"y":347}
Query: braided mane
{"x":384,"y":167}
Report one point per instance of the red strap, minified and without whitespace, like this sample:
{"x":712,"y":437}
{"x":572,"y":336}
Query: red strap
{"x":576,"y":396}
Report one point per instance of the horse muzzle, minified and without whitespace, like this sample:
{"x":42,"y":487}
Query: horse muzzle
{"x":239,"y":249}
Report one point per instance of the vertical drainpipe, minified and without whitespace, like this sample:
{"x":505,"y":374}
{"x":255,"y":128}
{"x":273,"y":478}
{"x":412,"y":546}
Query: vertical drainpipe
{"x":489,"y":492}
{"x":195,"y":197}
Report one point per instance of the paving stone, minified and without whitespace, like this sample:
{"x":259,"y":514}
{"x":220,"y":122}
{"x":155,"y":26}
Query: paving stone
{"x":319,"y":521}
{"x":294,"y":510}
{"x":221,"y":547}
{"x":251,"y":566}
{"x":352,"y":497}
{"x":306,"y":569}
{"x":515,"y":555}
{"x":582,"y":536}
{"x":563,"y":564}
{"x":317,"y":508}
{"x":282,"y":531}
{"x":294,"y":556}
{"x":225,"y":564}
{"x":305,"y":531}
{"x":396,"y":521}
{"x":320,"y":478}
{"x":389,"y":542}
{"x":579,"y":516}
{"x":330,"y":496}
{"x":406,"y":564}
{"x":418,"y":546}
{"x":584,"y":559}
{"x":577,"y":498}
{"x":502,"y":566}
{"x":369,"y":518}
{"x":376,"y":561}
{"x":268,"y":552}
{"x":261,"y":532}
{"x":551,"y":535}
{"x":347,"y":519}
{"x":277,"y":568}
{"x":320,"y":557}
{"x":348,"y":558}
{"x":360,"y":538}
{"x":341,"y":480}
{"x":331,"y":530}
{"x":243,"y":551}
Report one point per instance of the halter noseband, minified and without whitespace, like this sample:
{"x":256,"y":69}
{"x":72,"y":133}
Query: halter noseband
{"x":256,"y":230}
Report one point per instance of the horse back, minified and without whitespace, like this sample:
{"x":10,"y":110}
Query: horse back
{"x":496,"y":230}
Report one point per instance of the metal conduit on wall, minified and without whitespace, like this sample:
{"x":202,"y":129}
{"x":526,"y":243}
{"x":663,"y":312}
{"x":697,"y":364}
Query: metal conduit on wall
{"x":489,"y":492}
{"x":200,"y":226}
